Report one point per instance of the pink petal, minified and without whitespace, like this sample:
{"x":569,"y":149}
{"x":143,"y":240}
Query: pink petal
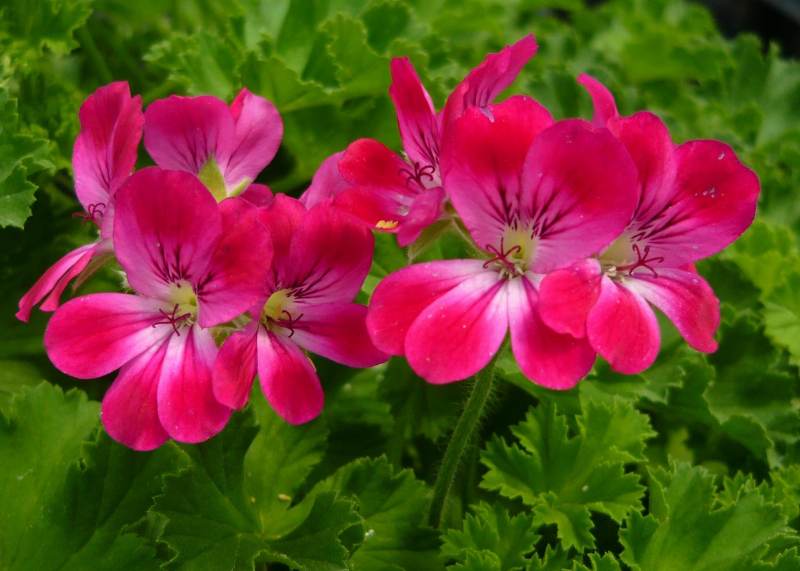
{"x":105,"y":150}
{"x":239,"y":267}
{"x":416,"y":115}
{"x":257,"y":195}
{"x":403,"y":295}
{"x":257,"y":135}
{"x":235,"y":368}
{"x":282,"y":218}
{"x":167,"y":226}
{"x":458,"y":334}
{"x":186,"y":405}
{"x":130,"y":406}
{"x":329,"y":257}
{"x":373,"y":206}
{"x":55,"y":279}
{"x":183,"y":133}
{"x":326,"y":184}
{"x":489,"y":79}
{"x":425,"y":210}
{"x":93,"y":335}
{"x":605,"y":108}
{"x":567,"y":296}
{"x":288,"y":379}
{"x":580,"y":192}
{"x":687,"y":299}
{"x":649,"y":143}
{"x":367,"y":162}
{"x":713,"y":202}
{"x":623,"y":329}
{"x":482,"y":161}
{"x":551,"y":359}
{"x":338,"y":332}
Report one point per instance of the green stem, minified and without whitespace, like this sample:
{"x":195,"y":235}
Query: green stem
{"x":459,"y":441}
{"x":99,"y":63}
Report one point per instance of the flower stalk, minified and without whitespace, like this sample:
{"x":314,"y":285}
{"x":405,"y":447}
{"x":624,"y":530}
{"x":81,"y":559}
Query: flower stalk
{"x":459,"y":441}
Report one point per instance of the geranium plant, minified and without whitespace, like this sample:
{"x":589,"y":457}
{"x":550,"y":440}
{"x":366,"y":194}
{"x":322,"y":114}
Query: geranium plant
{"x":253,"y":251}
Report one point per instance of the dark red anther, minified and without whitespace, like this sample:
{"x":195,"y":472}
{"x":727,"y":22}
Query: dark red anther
{"x":419,"y":173}
{"x":501,"y":255}
{"x":172,"y":318}
{"x":643,"y":261}
{"x":93,"y":212}
{"x":289,"y":322}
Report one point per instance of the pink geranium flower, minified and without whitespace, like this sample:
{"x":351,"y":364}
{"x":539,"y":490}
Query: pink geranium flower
{"x":226,"y":147}
{"x":321,"y":257}
{"x":192,"y":264}
{"x":535,"y":196}
{"x":103,"y":157}
{"x":404,"y":195}
{"x":696,"y":198}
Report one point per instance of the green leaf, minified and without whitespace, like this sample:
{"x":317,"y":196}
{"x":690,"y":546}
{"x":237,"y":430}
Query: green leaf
{"x":211,"y":521}
{"x":597,"y":562}
{"x":564,"y":475}
{"x":393,"y":507}
{"x":687,"y":528}
{"x":21,"y":155}
{"x":490,"y":529}
{"x":43,"y":24}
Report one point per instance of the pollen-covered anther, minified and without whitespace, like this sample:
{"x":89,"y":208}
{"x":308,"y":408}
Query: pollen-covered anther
{"x":387,"y":224}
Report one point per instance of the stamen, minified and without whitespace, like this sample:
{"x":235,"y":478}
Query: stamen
{"x":419,"y":173}
{"x":172,"y":318}
{"x":93,"y":212}
{"x":502,"y":255}
{"x":289,"y":322}
{"x":643,"y":260}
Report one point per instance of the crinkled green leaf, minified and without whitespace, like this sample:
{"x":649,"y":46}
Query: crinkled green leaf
{"x":393,"y":507}
{"x":687,"y":528}
{"x":564,"y":475}
{"x":45,"y":23}
{"x":491,"y":529}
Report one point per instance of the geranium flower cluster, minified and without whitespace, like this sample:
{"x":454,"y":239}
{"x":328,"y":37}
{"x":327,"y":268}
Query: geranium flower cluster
{"x":578,"y":228}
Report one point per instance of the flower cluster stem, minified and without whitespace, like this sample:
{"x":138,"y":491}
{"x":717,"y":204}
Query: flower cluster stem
{"x":460,"y":440}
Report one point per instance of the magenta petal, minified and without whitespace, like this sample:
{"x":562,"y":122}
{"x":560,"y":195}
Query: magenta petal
{"x":567,"y":296}
{"x":605,"y":108}
{"x":489,"y":79}
{"x":551,"y":359}
{"x":329,"y":257}
{"x":367,"y":162}
{"x":186,"y":405}
{"x":183,"y":133}
{"x":167,"y":225}
{"x":93,"y":335}
{"x":458,"y":334}
{"x":282,"y":218}
{"x":687,"y":299}
{"x":235,"y":368}
{"x":257,"y":195}
{"x":130,"y":406}
{"x":623,"y":329}
{"x":375,"y":207}
{"x":55,"y":279}
{"x":425,"y":210}
{"x":105,"y":150}
{"x":338,"y":332}
{"x":416,"y":115}
{"x":239,"y":267}
{"x":258,"y":130}
{"x":713,"y":202}
{"x":581,"y":190}
{"x":326,"y":184}
{"x":482,"y":161}
{"x":288,"y":379}
{"x":403,"y":295}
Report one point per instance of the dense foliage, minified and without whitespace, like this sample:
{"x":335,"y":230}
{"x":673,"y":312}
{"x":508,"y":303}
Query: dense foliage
{"x":694,"y":464}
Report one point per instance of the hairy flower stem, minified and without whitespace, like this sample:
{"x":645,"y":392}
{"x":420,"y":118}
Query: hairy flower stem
{"x":460,"y":440}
